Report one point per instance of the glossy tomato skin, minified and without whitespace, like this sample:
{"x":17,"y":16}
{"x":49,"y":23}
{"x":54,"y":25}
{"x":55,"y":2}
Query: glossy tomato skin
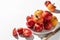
{"x":20,"y":30}
{"x":38,"y":27}
{"x":48,"y":26}
{"x":47,"y":15}
{"x":47,"y":3}
{"x":15,"y":32}
{"x":28,"y":17}
{"x":51,"y":7}
{"x":30,"y":23}
{"x":27,"y":32}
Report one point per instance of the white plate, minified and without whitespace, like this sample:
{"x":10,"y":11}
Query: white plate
{"x":47,"y":31}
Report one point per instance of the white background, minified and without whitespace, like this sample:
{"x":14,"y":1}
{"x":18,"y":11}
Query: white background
{"x":14,"y":12}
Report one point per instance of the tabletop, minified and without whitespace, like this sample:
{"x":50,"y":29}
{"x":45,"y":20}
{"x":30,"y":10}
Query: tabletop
{"x":13,"y":14}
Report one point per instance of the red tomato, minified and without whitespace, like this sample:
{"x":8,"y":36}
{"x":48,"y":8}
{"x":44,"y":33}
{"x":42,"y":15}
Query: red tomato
{"x":47,"y":3}
{"x":27,"y":32}
{"x":30,"y":23}
{"x":28,"y":17}
{"x":48,"y":26}
{"x":38,"y":27}
{"x":20,"y":30}
{"x":14,"y":32}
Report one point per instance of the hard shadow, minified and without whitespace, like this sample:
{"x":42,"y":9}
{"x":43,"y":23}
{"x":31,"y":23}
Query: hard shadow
{"x":56,"y":11}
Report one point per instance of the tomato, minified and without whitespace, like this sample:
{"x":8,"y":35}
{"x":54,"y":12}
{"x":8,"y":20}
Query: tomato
{"x":14,"y":32}
{"x":48,"y":26}
{"x":27,"y":32}
{"x":30,"y":23}
{"x":28,"y":17}
{"x":20,"y":30}
{"x":47,"y":3}
{"x":38,"y":27}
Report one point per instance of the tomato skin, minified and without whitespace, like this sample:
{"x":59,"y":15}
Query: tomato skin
{"x":27,"y":32}
{"x":51,"y":7}
{"x":15,"y":32}
{"x":48,"y":26}
{"x":47,"y":15}
{"x":30,"y":23}
{"x":47,"y":3}
{"x":38,"y":27}
{"x":28,"y":17}
{"x":20,"y":30}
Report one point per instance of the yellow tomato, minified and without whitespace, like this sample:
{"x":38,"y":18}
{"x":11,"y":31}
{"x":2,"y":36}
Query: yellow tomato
{"x":38,"y":13}
{"x":51,"y":7}
{"x":54,"y":20}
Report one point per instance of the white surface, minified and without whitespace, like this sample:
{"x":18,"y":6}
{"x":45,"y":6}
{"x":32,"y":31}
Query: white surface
{"x":14,"y":12}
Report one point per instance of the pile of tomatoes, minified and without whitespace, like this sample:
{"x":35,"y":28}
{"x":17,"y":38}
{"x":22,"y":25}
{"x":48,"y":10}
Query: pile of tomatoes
{"x":39,"y":21}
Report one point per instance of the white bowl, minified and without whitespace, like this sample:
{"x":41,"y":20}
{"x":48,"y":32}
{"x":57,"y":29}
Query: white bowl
{"x":47,"y":31}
